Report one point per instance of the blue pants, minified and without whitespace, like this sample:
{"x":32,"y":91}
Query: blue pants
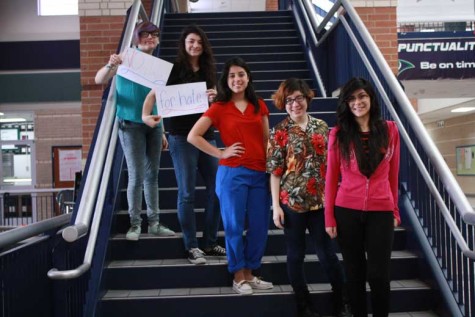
{"x":245,"y":204}
{"x":295,"y":225}
{"x":142,"y":148}
{"x":187,"y":159}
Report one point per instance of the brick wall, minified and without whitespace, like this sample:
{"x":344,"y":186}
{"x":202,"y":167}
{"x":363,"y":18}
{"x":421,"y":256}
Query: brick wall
{"x":54,"y":127}
{"x":381,"y":24}
{"x":99,"y":38}
{"x":272,"y":5}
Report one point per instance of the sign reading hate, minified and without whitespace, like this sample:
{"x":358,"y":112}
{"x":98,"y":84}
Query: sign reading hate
{"x":144,"y":69}
{"x":179,"y":100}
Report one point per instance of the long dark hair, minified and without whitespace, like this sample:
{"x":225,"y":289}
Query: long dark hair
{"x":225,"y":93}
{"x":348,"y":135}
{"x":206,"y":60}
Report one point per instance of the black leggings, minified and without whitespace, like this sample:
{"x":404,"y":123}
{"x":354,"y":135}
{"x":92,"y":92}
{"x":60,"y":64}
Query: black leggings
{"x":366,"y":239}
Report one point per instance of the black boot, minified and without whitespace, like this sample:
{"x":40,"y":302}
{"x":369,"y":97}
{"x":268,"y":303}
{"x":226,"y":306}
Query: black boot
{"x":304,"y":304}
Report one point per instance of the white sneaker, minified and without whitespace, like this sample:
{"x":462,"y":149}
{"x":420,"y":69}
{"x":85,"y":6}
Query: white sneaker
{"x":242,"y":288}
{"x":257,"y":283}
{"x":134,"y":233}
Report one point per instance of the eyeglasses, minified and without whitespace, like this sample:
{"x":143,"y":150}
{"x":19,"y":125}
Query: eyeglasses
{"x":290,"y":101}
{"x":145,"y":34}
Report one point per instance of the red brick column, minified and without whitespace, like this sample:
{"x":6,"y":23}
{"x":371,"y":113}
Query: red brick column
{"x":99,"y":38}
{"x":382,"y":24}
{"x":272,"y":5}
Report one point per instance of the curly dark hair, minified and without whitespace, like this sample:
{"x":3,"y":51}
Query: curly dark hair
{"x":225,"y":93}
{"x":206,"y":61}
{"x":348,"y":135}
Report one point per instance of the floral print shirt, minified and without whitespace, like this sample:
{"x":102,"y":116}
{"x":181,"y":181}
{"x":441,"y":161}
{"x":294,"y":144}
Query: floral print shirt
{"x":299,"y":157}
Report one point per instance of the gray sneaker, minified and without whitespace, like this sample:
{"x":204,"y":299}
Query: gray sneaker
{"x":160,"y":230}
{"x":196,"y":256}
{"x":134,"y":233}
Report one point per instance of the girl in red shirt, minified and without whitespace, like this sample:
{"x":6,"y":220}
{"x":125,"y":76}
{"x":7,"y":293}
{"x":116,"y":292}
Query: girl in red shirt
{"x":241,"y":182}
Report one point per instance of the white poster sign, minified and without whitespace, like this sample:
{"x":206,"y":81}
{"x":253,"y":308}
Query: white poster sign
{"x":144,"y":69}
{"x":69,"y":163}
{"x":435,"y":10}
{"x":179,"y":100}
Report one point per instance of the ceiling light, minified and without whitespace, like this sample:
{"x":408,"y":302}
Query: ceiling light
{"x":7,"y":120}
{"x":461,"y":109}
{"x":1,"y":113}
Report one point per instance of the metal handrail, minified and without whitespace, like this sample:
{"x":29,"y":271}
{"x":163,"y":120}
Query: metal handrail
{"x":18,"y":234}
{"x":109,"y":120}
{"x":310,"y":21}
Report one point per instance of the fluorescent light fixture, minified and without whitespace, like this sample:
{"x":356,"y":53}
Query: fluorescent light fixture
{"x":1,"y":113}
{"x":461,"y":109}
{"x":10,"y":120}
{"x":16,"y":180}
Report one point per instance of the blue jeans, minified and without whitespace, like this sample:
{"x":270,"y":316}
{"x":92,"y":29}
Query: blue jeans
{"x":295,"y":225}
{"x":142,"y":148}
{"x":245,"y":205}
{"x":186,"y":160}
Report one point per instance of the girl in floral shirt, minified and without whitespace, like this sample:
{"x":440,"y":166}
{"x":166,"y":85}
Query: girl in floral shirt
{"x":296,"y":160}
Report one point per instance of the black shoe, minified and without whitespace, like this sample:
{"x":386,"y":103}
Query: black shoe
{"x":304,"y":305}
{"x":217,"y":250}
{"x":345,"y":311}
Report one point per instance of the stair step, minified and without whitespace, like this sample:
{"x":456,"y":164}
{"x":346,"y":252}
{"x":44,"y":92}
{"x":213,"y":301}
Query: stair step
{"x":222,"y":301}
{"x":179,"y":272}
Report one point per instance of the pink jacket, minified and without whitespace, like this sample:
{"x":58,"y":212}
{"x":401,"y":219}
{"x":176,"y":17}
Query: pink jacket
{"x":356,"y":191}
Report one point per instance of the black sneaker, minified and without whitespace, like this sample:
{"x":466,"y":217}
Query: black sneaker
{"x":196,"y":256}
{"x":217,"y":250}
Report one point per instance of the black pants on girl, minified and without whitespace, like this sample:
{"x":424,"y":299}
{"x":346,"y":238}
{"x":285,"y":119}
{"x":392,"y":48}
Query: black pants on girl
{"x":366,"y":239}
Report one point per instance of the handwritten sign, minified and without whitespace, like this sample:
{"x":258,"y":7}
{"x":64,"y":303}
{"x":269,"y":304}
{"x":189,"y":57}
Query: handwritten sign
{"x":179,"y":100}
{"x":144,"y":69}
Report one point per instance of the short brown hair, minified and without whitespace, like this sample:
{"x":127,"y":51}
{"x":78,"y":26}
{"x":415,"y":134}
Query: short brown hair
{"x":287,"y":87}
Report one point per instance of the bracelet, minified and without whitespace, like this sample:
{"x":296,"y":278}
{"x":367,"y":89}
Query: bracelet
{"x":110,"y":66}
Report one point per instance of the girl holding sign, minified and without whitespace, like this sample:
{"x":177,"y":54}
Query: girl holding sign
{"x":241,"y":182}
{"x":141,"y":144}
{"x":194,"y":63}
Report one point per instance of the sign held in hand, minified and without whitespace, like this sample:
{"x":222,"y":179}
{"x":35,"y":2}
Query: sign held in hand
{"x":144,"y":69}
{"x":180,"y":100}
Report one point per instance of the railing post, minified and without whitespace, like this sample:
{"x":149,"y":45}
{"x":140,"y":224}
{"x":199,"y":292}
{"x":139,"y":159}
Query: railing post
{"x":34,"y":215}
{"x":2,"y":210}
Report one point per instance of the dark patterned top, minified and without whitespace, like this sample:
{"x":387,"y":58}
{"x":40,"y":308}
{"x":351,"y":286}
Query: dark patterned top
{"x":299,"y":157}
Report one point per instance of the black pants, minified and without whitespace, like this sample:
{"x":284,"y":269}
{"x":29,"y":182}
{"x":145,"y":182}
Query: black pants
{"x":366,"y":239}
{"x":295,"y":226}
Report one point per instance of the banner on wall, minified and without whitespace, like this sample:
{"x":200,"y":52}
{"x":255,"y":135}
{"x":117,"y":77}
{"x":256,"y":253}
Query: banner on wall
{"x":449,"y":57}
{"x":435,"y":10}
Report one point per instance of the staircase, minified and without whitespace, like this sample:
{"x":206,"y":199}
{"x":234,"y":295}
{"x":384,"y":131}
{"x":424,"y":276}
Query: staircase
{"x":152,"y":277}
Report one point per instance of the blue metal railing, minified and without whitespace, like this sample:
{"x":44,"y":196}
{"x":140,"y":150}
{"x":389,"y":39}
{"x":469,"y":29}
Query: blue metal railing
{"x":445,"y":218}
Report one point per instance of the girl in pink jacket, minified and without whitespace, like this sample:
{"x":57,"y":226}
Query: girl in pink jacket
{"x":361,"y":194}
